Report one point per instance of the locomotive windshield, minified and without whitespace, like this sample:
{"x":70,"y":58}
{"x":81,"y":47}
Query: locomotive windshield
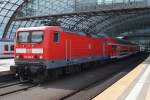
{"x":37,"y":36}
{"x":32,"y":37}
{"x":23,"y":36}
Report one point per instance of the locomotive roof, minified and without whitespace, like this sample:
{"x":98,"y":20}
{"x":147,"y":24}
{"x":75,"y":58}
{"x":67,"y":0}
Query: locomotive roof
{"x":41,"y":28}
{"x":56,"y":28}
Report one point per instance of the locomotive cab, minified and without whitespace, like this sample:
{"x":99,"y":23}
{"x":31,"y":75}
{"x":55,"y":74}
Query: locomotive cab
{"x":29,"y":45}
{"x":32,"y":50}
{"x":29,"y":49}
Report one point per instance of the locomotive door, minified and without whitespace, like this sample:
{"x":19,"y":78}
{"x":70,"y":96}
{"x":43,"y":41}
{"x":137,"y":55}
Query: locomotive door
{"x":68,"y":50}
{"x":114,"y":50}
{"x":104,"y":49}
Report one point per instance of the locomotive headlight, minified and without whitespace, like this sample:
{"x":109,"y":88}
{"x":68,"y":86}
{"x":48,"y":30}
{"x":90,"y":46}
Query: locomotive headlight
{"x":17,"y":57}
{"x":41,"y":57}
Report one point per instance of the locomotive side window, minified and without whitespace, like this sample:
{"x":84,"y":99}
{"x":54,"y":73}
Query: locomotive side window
{"x":37,"y":36}
{"x":12,"y":47}
{"x":56,"y":37}
{"x":114,"y":47}
{"x":6,"y":47}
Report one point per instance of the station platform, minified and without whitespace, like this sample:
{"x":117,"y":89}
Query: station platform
{"x":5,"y":66}
{"x":134,"y":86}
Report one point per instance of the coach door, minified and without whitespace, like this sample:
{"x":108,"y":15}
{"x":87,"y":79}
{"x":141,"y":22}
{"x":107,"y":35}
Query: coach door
{"x":118,"y":50}
{"x":68,"y":50}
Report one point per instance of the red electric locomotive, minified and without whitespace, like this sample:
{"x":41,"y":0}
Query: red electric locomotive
{"x":39,"y":49}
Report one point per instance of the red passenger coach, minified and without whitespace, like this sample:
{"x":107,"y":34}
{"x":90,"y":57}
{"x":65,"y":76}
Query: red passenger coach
{"x":39,"y":49}
{"x":119,"y":48}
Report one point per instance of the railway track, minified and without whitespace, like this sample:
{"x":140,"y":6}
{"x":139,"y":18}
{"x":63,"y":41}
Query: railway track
{"x":110,"y":79}
{"x":16,"y":86}
{"x":73,"y":93}
{"x":102,"y":85}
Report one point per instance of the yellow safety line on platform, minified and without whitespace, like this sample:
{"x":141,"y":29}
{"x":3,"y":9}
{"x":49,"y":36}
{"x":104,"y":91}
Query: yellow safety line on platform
{"x":117,"y":89}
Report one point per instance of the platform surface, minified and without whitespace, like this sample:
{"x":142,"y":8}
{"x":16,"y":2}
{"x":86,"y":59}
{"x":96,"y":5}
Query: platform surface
{"x":134,"y":86}
{"x":5,"y":66}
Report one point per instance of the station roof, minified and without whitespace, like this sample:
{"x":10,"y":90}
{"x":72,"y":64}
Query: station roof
{"x":111,"y":17}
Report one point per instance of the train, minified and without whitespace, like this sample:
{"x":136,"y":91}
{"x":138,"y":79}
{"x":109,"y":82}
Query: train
{"x":44,"y":49}
{"x":6,"y":49}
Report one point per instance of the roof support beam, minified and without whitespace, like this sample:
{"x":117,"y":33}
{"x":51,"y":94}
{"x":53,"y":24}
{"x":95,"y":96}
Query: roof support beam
{"x":89,"y":13}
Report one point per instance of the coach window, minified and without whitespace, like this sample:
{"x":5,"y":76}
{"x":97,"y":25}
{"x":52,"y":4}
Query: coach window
{"x":12,"y":47}
{"x":6,"y":48}
{"x":56,"y":37}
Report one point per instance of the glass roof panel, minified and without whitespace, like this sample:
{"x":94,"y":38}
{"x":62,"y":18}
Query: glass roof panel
{"x":47,"y":7}
{"x":7,"y":8}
